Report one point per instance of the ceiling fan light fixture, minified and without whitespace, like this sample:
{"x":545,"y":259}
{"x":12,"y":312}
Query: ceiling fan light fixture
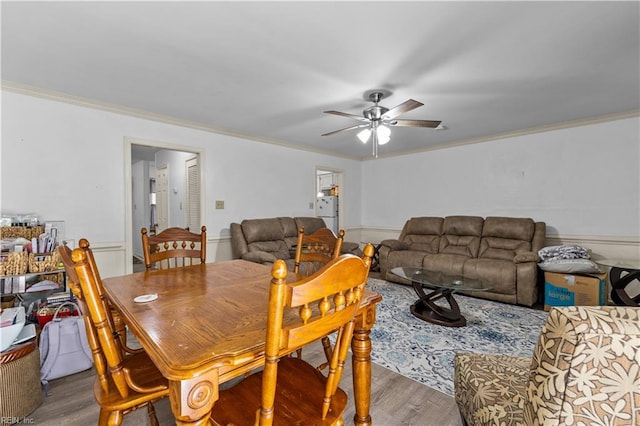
{"x":378,"y":119}
{"x":364,"y":135}
{"x":384,"y":134}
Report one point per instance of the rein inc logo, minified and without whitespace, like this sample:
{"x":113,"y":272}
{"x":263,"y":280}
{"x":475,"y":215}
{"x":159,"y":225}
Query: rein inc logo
{"x":9,"y":420}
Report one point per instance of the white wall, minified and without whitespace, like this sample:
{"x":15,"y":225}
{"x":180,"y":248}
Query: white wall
{"x":66,"y":162}
{"x":582,"y":181}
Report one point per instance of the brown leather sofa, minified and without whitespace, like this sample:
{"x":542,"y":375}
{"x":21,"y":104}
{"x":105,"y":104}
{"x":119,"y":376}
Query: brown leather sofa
{"x":265,"y":240}
{"x":501,"y":251}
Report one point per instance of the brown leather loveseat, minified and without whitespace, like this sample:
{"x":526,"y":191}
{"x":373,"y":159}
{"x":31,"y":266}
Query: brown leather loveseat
{"x":265,"y":240}
{"x":501,"y":251}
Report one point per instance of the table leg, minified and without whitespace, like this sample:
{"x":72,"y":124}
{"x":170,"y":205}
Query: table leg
{"x":361,"y":365}
{"x":426,"y":309}
{"x":192,"y":399}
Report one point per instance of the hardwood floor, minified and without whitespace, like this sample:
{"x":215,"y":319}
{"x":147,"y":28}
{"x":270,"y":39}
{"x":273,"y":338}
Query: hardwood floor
{"x":395,"y":400}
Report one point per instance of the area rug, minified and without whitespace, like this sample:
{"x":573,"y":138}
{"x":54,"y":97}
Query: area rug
{"x":424,"y":352}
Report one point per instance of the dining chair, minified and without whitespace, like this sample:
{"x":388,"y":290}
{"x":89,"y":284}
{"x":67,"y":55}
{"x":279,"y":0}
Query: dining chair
{"x":173,"y":247}
{"x":289,"y":390}
{"x":316,"y":249}
{"x":126,"y":379}
{"x":312,"y":252}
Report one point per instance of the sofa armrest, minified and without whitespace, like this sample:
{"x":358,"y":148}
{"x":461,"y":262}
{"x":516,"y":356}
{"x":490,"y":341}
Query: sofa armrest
{"x":524,"y":257}
{"x":395,"y":244}
{"x":238,"y":243}
{"x":259,"y":257}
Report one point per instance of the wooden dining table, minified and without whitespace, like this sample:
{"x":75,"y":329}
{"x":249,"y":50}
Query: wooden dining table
{"x":208,"y":326}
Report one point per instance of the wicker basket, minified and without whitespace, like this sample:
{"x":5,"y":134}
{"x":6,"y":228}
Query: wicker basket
{"x":51,"y":262}
{"x":21,"y":232}
{"x":14,"y":264}
{"x":20,"y":392}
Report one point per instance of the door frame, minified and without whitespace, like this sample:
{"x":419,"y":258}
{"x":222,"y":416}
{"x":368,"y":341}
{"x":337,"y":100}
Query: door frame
{"x":187,"y":209}
{"x":128,"y":205}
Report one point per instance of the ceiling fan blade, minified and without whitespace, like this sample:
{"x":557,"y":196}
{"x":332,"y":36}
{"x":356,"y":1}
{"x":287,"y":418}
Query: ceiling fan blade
{"x":402,"y":108}
{"x":346,"y":114}
{"x":415,"y":123}
{"x":346,"y":128}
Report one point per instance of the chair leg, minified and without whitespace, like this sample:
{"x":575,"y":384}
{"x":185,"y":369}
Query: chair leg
{"x":103,"y":419}
{"x":151,"y":411}
{"x":110,"y":418}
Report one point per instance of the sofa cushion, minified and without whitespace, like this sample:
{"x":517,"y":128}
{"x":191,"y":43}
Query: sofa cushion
{"x":277,"y":247}
{"x":289,"y":230}
{"x":262,"y":230}
{"x":513,"y":228}
{"x":505,"y":237}
{"x":424,"y":226}
{"x":501,"y":248}
{"x":500,"y":275}
{"x":448,"y":264}
{"x":404,"y":258}
{"x":422,"y":233}
{"x":461,"y":235}
{"x":310,"y":224}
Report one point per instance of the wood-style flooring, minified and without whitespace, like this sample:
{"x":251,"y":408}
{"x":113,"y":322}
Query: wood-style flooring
{"x":395,"y":400}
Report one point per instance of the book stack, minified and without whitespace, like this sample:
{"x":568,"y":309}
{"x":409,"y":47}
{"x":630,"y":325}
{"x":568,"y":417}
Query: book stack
{"x":57,"y":298}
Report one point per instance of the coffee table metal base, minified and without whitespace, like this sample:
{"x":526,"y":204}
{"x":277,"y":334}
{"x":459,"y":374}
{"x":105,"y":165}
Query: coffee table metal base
{"x":426,"y":309}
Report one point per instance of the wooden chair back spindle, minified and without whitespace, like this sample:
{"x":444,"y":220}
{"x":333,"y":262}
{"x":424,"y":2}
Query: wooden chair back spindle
{"x":289,"y":390}
{"x":174,"y":248}
{"x":316,"y":249}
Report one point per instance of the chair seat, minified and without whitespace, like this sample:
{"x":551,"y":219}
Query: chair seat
{"x":144,"y":374}
{"x":490,"y":389}
{"x":299,"y":392}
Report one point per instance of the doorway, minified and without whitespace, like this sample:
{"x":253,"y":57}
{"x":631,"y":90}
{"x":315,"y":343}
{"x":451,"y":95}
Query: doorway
{"x":163,"y":184}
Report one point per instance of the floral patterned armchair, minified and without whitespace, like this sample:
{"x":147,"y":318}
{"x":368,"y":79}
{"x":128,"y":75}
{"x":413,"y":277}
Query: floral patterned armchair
{"x":585,"y":371}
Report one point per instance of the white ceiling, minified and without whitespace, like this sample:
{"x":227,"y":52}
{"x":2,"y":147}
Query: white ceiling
{"x":267,"y":70}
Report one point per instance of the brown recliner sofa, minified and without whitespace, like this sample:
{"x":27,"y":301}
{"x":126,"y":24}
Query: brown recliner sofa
{"x":266,"y":240}
{"x":501,"y":251}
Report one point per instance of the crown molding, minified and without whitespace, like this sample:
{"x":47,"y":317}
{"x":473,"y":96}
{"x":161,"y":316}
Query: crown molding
{"x":146,"y":115}
{"x":523,"y":132}
{"x":118,"y":109}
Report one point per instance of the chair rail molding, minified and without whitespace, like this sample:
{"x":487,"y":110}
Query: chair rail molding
{"x":111,"y":258}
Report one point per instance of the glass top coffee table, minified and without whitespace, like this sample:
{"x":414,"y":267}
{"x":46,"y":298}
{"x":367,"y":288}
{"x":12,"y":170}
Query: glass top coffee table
{"x":444,"y":286}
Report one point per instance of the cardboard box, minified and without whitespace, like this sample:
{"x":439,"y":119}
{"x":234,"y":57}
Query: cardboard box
{"x":574,"y":290}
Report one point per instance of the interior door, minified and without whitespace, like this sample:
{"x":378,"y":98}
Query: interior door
{"x":193,"y":194}
{"x":162,"y":198}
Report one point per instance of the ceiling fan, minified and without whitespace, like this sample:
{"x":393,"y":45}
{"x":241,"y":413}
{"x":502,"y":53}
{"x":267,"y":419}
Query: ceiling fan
{"x":378,"y":118}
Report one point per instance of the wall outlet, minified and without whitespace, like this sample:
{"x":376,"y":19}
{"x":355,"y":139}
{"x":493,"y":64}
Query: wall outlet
{"x":219,"y":204}
{"x":311,"y":206}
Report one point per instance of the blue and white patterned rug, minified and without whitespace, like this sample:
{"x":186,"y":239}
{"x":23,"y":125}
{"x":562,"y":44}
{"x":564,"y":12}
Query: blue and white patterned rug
{"x":424,"y":352}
